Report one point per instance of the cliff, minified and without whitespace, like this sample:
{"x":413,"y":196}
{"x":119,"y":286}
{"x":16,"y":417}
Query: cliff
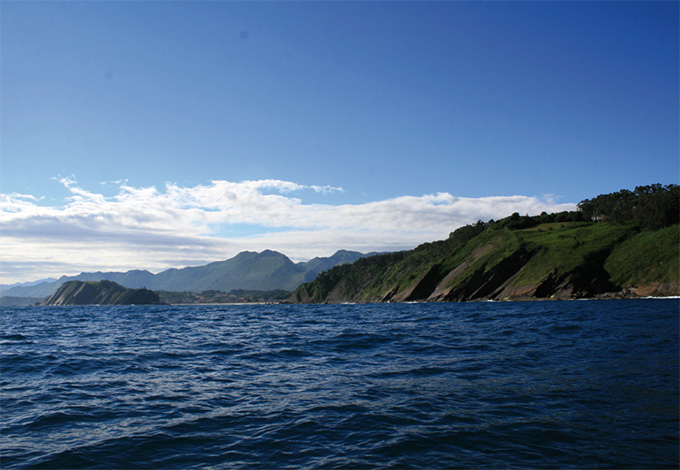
{"x":100,"y":293}
{"x":513,"y":260}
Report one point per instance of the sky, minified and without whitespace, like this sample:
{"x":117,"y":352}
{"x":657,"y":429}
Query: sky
{"x":151,"y":135}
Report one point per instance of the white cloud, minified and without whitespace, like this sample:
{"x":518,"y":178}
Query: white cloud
{"x":146,"y":228}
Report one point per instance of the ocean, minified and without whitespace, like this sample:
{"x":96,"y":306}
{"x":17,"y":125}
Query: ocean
{"x":555,"y":384}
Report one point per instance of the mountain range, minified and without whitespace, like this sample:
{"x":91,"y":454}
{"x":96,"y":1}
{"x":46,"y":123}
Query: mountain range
{"x":268,"y":270}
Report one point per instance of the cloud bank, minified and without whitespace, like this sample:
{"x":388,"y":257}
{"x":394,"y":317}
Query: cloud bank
{"x":147,"y":228}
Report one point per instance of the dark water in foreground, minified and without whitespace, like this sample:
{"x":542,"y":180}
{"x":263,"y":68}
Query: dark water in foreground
{"x":583,"y":384}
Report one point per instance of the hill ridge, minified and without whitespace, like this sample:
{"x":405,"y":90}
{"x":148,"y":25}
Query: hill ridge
{"x":574,"y":260}
{"x":615,"y":245}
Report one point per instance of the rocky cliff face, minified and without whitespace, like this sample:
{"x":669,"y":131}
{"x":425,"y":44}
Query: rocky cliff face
{"x":100,"y":293}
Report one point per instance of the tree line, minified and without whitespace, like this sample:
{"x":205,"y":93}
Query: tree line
{"x":649,"y":207}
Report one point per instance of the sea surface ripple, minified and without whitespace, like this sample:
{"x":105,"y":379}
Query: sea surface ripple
{"x":580,"y":384}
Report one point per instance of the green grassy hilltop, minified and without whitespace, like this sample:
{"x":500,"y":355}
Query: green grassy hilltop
{"x":611,"y":247}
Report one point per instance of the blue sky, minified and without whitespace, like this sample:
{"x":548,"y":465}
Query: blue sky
{"x":420,"y":115}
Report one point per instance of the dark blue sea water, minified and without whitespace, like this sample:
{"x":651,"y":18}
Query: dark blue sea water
{"x":581,"y":384}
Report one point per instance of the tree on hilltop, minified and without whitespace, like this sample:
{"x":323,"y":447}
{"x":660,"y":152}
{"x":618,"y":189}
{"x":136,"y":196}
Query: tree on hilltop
{"x":648,"y":207}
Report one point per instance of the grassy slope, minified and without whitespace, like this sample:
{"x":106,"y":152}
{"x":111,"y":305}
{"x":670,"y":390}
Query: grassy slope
{"x":484,"y":252}
{"x":561,"y":251}
{"x":583,"y":258}
{"x":646,"y":257}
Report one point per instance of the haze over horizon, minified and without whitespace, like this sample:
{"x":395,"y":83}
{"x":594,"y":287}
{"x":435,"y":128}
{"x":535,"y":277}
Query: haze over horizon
{"x":151,"y":135}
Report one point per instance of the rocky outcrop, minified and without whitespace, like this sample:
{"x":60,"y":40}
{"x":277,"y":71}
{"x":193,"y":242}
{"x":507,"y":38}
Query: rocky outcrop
{"x":100,"y":293}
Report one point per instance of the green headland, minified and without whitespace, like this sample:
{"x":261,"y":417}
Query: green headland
{"x":623,"y":244}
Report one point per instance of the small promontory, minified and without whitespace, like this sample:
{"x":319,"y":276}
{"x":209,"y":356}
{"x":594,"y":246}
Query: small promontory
{"x":100,"y":293}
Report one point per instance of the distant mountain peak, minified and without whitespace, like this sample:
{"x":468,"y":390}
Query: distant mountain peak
{"x":266,"y":270}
